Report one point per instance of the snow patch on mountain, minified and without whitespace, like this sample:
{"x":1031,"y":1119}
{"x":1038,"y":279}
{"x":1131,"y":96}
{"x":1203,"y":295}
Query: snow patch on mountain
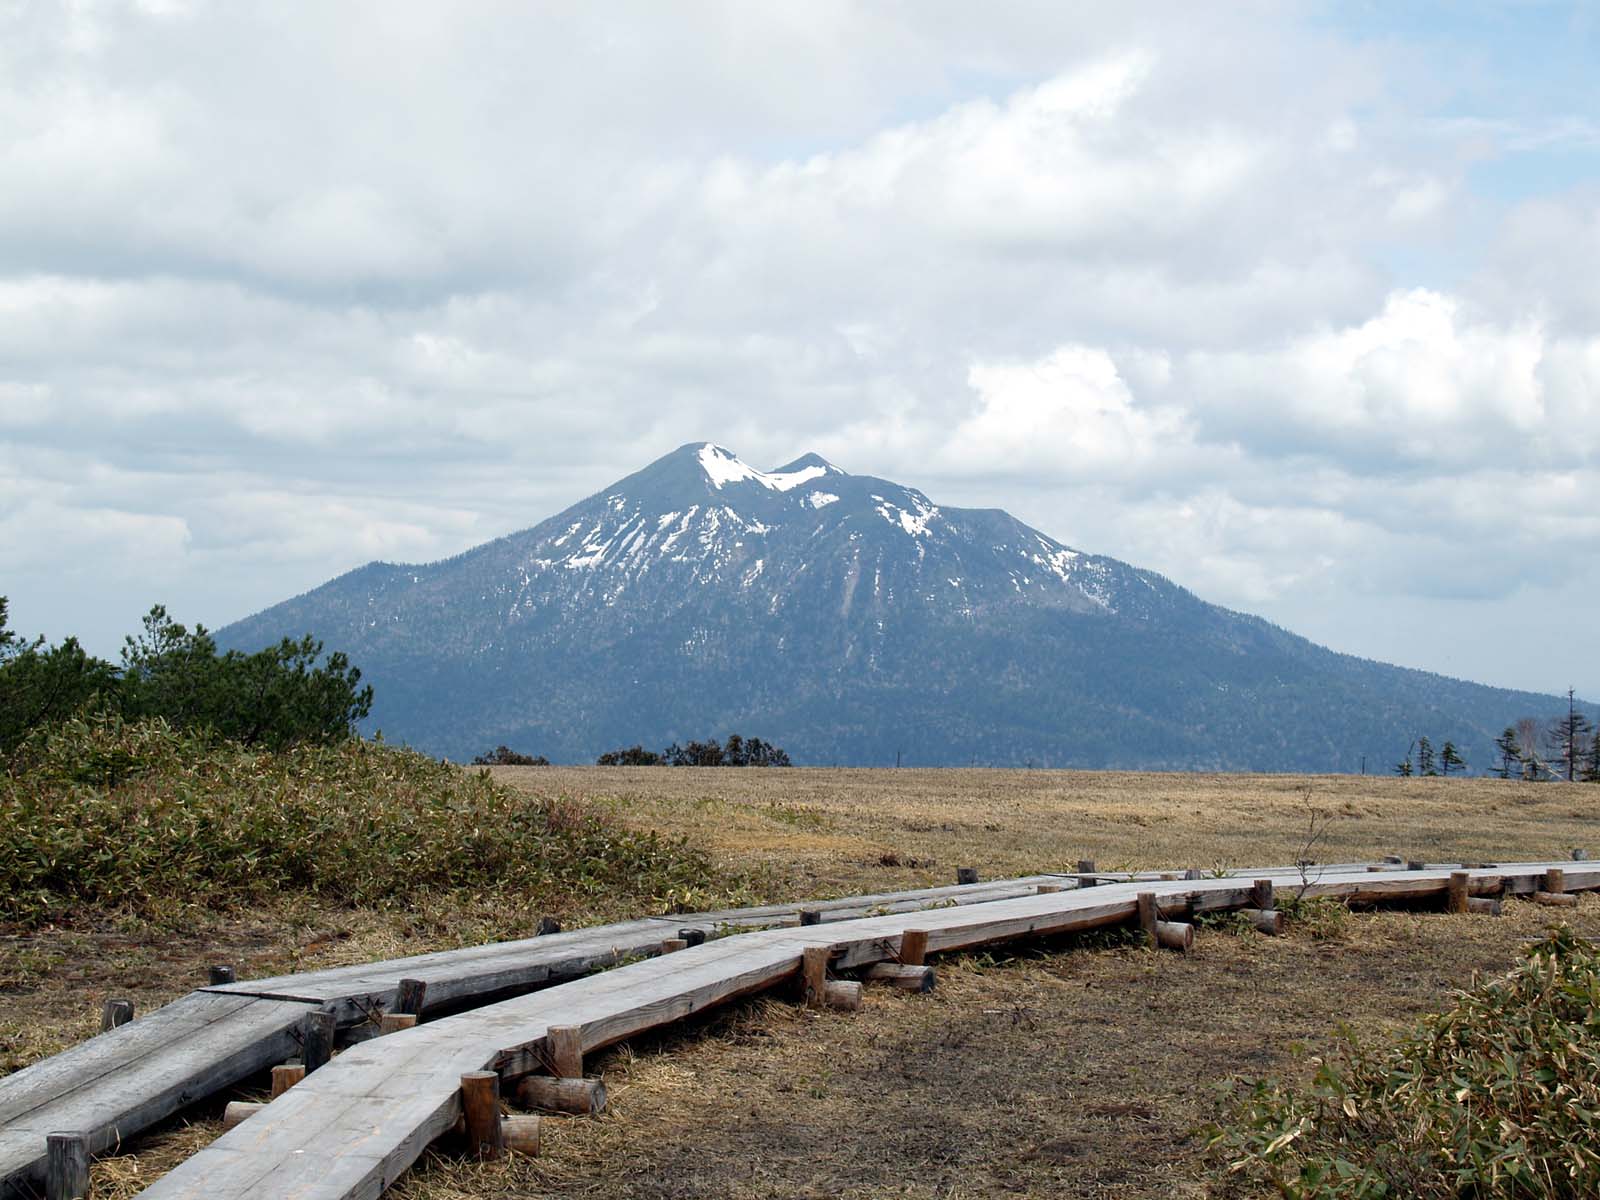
{"x":723,"y":467}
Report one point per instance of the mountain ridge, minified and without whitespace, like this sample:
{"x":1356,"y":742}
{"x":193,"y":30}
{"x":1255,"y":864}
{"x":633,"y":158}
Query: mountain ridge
{"x":658,"y":608}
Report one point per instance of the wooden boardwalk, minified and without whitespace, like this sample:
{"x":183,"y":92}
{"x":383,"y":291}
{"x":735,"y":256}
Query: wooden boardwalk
{"x":120,"y":1083}
{"x":352,"y":1127}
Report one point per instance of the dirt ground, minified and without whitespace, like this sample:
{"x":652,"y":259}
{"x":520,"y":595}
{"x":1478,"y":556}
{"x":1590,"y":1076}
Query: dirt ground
{"x":1086,"y":1065}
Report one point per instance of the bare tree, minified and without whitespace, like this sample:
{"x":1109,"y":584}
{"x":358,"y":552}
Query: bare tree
{"x":1566,"y":737}
{"x":1528,"y":747}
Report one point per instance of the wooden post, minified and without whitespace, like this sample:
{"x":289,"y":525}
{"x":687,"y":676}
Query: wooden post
{"x":412,"y":995}
{"x":810,"y":916}
{"x":966,"y":874}
{"x":670,"y":945}
{"x":1580,"y":855}
{"x":564,"y":1048}
{"x":814,"y":974}
{"x":547,"y":926}
{"x":1148,"y":918}
{"x":914,"y":947}
{"x":396,"y":1021}
{"x":903,"y":976}
{"x":67,"y":1166}
{"x":239,"y":1111}
{"x":1415,"y":865}
{"x":562,"y":1095}
{"x":1261,"y":894}
{"x":1049,"y":889}
{"x":1394,"y":860}
{"x":693,"y":937}
{"x":480,"y":1110}
{"x":1175,"y":935}
{"x":114,"y":1013}
{"x":842,"y":993}
{"x":316,"y":1039}
{"x":520,"y":1134}
{"x":1192,"y":873}
{"x":1555,"y":880}
{"x":1086,"y":866}
{"x":220,"y":975}
{"x":1456,"y":895}
{"x":285,"y":1076}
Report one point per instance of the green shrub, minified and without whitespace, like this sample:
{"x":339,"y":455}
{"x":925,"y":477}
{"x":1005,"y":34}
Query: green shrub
{"x":1497,"y":1097}
{"x":99,"y":811}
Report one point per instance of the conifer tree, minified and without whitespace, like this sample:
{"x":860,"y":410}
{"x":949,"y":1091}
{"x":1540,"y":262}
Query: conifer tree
{"x":1450,"y":759}
{"x":1425,"y":763}
{"x":1509,"y":746}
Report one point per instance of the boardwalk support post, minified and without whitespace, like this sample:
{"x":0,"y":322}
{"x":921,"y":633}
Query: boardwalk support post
{"x":1456,"y":896}
{"x":564,"y":1044}
{"x":316,"y":1039}
{"x":914,"y":947}
{"x":396,"y":1021}
{"x":285,"y":1076}
{"x":220,"y":975}
{"x":1149,"y":919}
{"x":239,"y":1111}
{"x":1086,"y":873}
{"x":114,"y":1013}
{"x":67,"y":1171}
{"x":480,"y":1111}
{"x":966,"y":874}
{"x":411,"y":996}
{"x":814,"y":974}
{"x":693,"y":937}
{"x":672,"y":945}
{"x":1261,"y":894}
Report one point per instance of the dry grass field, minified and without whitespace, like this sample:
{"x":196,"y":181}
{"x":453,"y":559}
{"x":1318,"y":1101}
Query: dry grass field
{"x":1084,"y":1066}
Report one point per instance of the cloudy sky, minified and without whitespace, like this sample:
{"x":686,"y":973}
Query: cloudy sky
{"x":1296,"y":303}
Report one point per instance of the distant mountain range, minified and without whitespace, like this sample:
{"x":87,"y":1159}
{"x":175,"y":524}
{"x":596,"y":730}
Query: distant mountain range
{"x":850,"y":619}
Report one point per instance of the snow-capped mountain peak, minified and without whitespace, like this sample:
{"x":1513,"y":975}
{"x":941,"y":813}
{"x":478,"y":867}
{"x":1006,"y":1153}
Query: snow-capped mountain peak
{"x":723,"y":467}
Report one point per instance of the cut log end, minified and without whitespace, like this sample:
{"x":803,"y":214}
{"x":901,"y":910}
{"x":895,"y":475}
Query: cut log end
{"x":1049,"y":889}
{"x":906,"y":977}
{"x":520,"y":1134}
{"x":1485,"y":906}
{"x":546,"y":1092}
{"x":1556,"y":899}
{"x":843,"y":994}
{"x":1175,"y":935}
{"x":672,"y":945}
{"x":1270,"y":921}
{"x":240,"y":1111}
{"x":394,"y":1022}
{"x":693,"y":937}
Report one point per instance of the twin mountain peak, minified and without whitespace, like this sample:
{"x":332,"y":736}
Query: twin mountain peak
{"x":852,"y":621}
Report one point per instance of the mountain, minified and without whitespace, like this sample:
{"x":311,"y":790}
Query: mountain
{"x":848,"y":619}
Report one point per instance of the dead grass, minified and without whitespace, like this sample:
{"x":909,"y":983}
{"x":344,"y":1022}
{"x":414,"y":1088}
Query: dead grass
{"x":1076,"y":1066}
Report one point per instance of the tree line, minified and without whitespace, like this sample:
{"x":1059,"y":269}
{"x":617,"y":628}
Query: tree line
{"x":1565,"y":748}
{"x":735,"y":752}
{"x":284,"y":695}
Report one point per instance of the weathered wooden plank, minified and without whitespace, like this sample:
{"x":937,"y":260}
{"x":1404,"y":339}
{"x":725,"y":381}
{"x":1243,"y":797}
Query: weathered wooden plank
{"x":370,"y":1112}
{"x":188,"y":1050}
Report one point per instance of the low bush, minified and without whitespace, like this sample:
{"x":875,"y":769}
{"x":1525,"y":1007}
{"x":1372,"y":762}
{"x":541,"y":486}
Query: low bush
{"x":101,"y":811}
{"x":1498,"y":1097}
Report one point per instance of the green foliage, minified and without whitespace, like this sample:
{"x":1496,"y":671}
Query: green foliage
{"x":277,"y":697}
{"x":1509,"y":745}
{"x":1324,"y":918}
{"x":1498,"y":1097}
{"x":136,"y":814}
{"x":633,"y":756}
{"x":505,"y":756}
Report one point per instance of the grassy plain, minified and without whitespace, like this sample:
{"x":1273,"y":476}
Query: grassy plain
{"x":1084,"y":1066}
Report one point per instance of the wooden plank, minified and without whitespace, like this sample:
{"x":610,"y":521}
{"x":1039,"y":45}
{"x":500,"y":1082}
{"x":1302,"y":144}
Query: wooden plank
{"x":367,"y":1115}
{"x":167,"y":1060}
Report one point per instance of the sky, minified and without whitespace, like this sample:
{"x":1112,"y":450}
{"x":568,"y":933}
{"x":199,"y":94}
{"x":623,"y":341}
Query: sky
{"x":1296,"y":303}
